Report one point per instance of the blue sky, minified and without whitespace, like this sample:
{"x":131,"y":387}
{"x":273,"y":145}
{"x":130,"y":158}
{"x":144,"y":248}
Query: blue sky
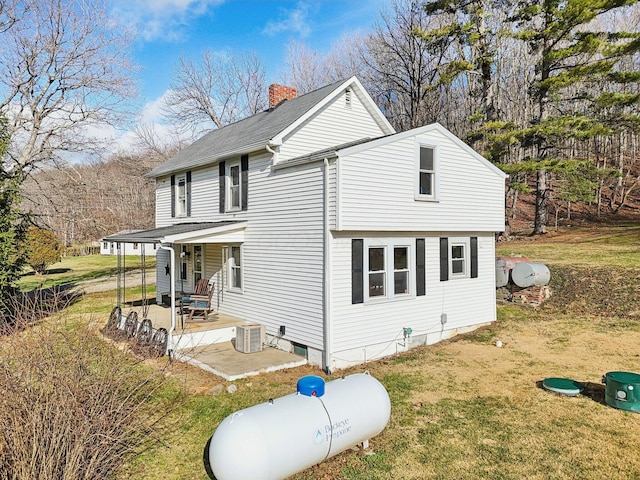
{"x":170,"y":28}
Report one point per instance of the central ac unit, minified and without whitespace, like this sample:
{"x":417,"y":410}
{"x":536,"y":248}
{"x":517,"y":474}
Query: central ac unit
{"x":249,"y":338}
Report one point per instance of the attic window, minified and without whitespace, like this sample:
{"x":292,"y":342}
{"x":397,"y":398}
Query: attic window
{"x":347,"y":98}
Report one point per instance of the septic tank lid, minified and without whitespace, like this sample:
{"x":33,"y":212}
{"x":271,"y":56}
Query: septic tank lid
{"x":311,"y":386}
{"x":564,"y":386}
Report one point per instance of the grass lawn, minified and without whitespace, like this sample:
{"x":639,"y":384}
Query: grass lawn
{"x":464,"y":408}
{"x":79,"y":269}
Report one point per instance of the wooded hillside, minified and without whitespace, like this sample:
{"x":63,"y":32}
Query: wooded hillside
{"x":83,"y":203}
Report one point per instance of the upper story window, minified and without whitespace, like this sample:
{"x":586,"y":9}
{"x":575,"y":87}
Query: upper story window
{"x":233,"y":175}
{"x":234,"y":185}
{"x":181,"y":195}
{"x":427,"y":171}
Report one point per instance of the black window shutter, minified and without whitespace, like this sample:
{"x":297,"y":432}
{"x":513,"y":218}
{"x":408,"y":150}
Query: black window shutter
{"x":420,"y":268}
{"x":444,"y":259}
{"x":244,"y":181}
{"x":474,"y":257}
{"x":188,"y":193}
{"x":357,"y":274}
{"x":173,"y":195}
{"x":221,"y":182}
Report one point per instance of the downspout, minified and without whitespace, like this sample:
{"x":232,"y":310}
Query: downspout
{"x":327,"y":272}
{"x":172,"y":293}
{"x":274,"y":153}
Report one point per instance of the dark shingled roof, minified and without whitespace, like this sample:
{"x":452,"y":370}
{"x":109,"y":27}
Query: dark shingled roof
{"x":156,"y":235}
{"x":244,"y":136}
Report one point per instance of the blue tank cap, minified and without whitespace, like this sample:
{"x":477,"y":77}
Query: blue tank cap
{"x":311,"y":386}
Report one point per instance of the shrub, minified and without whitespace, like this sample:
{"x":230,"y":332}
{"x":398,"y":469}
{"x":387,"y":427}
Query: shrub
{"x":43,"y":249}
{"x":73,"y":407}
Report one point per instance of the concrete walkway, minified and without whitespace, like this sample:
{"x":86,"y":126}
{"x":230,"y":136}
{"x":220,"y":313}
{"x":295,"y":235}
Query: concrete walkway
{"x":224,"y":360}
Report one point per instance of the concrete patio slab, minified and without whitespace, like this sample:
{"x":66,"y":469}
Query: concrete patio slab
{"x":224,"y":360}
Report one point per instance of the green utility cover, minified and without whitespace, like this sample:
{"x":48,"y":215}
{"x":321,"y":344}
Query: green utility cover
{"x":564,"y":386}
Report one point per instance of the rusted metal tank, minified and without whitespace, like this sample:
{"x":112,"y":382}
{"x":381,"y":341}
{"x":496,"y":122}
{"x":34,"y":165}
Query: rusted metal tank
{"x":504,"y":265}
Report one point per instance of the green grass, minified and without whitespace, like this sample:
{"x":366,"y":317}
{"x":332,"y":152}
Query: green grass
{"x":603,"y":246}
{"x":78,"y":269}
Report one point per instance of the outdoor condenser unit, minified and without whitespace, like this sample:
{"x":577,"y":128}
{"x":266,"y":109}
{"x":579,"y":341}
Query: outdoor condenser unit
{"x":249,"y":338}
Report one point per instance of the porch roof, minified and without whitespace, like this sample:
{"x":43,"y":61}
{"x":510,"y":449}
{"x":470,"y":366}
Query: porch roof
{"x":196,"y":232}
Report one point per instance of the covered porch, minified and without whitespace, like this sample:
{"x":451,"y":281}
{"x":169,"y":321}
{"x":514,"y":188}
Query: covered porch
{"x":190,"y":253}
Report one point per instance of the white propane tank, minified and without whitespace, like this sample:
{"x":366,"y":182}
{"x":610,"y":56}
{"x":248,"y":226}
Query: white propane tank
{"x":276,"y":439}
{"x":529,"y":274}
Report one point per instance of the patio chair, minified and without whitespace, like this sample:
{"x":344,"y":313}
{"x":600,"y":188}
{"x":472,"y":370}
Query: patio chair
{"x":200,"y":304}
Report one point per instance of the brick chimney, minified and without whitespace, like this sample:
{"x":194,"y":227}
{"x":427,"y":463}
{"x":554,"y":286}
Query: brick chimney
{"x":277,"y":93}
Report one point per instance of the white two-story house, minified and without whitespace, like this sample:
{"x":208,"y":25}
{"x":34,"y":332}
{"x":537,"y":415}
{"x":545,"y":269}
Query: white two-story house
{"x":346,"y":240}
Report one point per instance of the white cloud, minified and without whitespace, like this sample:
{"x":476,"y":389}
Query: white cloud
{"x":294,"y":21}
{"x":161,"y":19}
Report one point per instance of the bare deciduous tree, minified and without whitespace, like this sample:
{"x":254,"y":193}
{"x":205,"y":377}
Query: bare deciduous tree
{"x":215,"y":89}
{"x":82,"y":203}
{"x":307,"y":69}
{"x":402,"y":68}
{"x":8,"y":14}
{"x":63,"y":67}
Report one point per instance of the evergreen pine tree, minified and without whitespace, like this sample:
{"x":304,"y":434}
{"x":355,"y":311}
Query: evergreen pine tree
{"x":13,"y":223}
{"x":572,"y":61}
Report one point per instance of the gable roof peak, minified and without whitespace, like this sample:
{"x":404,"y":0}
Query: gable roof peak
{"x":253,"y":133}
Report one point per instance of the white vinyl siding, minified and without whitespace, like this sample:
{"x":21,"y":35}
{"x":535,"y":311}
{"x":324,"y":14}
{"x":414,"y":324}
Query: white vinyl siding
{"x":334,"y":125}
{"x":355,"y":326}
{"x":470,"y":196}
{"x":204,"y":198}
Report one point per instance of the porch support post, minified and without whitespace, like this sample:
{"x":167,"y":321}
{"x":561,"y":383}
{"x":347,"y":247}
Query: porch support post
{"x":172,"y":293}
{"x":119,"y":272}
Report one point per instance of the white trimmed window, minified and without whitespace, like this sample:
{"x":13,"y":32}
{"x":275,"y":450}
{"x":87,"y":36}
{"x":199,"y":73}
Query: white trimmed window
{"x":459,"y":258}
{"x":426,"y":183}
{"x":234,"y":193}
{"x":197,"y":263}
{"x":400,"y":270}
{"x":389,"y":269}
{"x":181,"y":195}
{"x":377,"y":273}
{"x":235,"y":268}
